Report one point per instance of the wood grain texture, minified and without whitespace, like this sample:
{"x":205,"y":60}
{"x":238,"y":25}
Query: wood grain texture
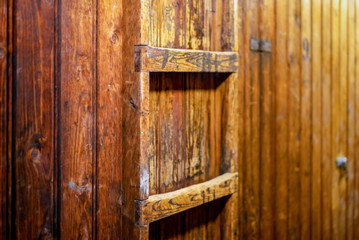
{"x":77,"y":138}
{"x":335,"y":117}
{"x":251,"y":123}
{"x":282,"y":124}
{"x":85,"y":136}
{"x":294,"y":102}
{"x":306,"y":121}
{"x":317,"y":120}
{"x":109,"y":118}
{"x":351,"y":120}
{"x":342,"y":204}
{"x":4,"y":17}
{"x":189,"y":112}
{"x":164,"y":205}
{"x":33,"y":111}
{"x":266,"y":77}
{"x":150,"y":59}
{"x":327,"y":157}
{"x":356,"y":129}
{"x":134,"y":104}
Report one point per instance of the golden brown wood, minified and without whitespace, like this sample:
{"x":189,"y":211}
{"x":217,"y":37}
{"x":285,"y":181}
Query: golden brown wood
{"x":294,"y":56}
{"x":266,"y":122}
{"x":109,"y":118}
{"x":351,"y":121}
{"x":282,"y":127}
{"x":356,"y":127}
{"x":327,"y":157}
{"x":77,"y":145}
{"x":166,"y":204}
{"x":336,"y":178}
{"x":340,"y":210}
{"x":83,"y":135}
{"x":306,"y":121}
{"x":316,"y":119}
{"x":252,"y":123}
{"x":151,"y":59}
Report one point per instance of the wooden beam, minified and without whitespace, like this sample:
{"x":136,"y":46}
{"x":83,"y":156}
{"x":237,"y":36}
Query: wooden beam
{"x":153,"y":59}
{"x":164,"y":205}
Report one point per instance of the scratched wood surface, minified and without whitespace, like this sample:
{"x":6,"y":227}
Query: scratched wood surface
{"x":79,"y":125}
{"x":166,"y":204}
{"x":150,"y":59}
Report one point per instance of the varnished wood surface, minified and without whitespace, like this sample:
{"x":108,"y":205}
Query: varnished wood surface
{"x":33,"y":131}
{"x":164,"y":205}
{"x":109,"y":133}
{"x":75,"y":116}
{"x":4,"y":88}
{"x":150,"y":59}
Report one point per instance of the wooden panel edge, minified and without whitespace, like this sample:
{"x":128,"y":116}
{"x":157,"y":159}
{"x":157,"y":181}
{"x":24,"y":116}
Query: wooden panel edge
{"x":164,"y":205}
{"x":155,"y":59}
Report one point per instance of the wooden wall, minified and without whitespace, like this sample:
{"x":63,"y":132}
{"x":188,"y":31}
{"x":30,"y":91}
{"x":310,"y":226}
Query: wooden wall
{"x":300,"y":113}
{"x":61,"y":78}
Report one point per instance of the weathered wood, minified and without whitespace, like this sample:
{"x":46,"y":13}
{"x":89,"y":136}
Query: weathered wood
{"x":164,"y":205}
{"x":4,"y":18}
{"x":152,"y":59}
{"x":83,"y":116}
{"x":33,"y":149}
{"x":77,"y":119}
{"x":134,"y":104}
{"x":109,"y":118}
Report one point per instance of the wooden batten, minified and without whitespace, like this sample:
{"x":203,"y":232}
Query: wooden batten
{"x":154,"y":59}
{"x":164,"y":205}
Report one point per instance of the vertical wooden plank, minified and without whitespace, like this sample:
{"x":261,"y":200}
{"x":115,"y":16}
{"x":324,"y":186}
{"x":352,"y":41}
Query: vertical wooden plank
{"x":77,"y":118}
{"x":356,"y":211}
{"x":336,"y":176}
{"x":135,"y":112}
{"x":294,"y":54}
{"x":356,"y":129}
{"x":10,"y":114}
{"x":281,"y":108}
{"x":109,"y":118}
{"x":266,"y":31}
{"x":316,"y":118}
{"x":341,"y":204}
{"x":241,"y":94}
{"x":3,"y":116}
{"x":252,"y":162}
{"x":351,"y":120}
{"x":327,"y":159}
{"x":230,"y":124}
{"x":306,"y":121}
{"x":33,"y":160}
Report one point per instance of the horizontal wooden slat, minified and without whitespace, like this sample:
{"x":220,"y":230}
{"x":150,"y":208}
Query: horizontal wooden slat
{"x":164,"y":205}
{"x":151,"y":59}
